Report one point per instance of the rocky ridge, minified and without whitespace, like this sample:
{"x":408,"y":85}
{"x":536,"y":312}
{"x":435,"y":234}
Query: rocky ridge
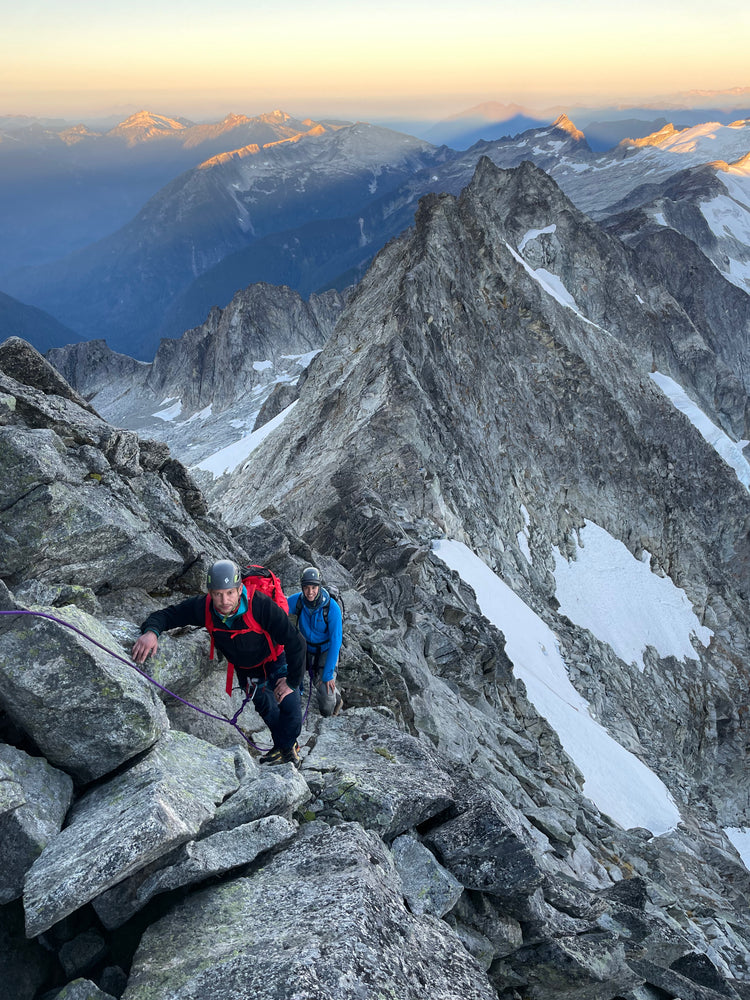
{"x":708,"y":205}
{"x":563,"y":422}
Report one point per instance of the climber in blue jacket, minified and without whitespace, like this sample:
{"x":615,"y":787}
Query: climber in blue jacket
{"x":320,"y":621}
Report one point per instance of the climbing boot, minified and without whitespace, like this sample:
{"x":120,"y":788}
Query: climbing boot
{"x":274,"y":756}
{"x":291,"y":756}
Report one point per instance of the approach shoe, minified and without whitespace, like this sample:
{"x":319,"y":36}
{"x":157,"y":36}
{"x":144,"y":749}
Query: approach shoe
{"x":291,"y":756}
{"x":274,"y":756}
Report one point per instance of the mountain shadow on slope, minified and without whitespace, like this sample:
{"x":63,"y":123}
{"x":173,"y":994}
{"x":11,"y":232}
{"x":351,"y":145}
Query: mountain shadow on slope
{"x":33,"y":325}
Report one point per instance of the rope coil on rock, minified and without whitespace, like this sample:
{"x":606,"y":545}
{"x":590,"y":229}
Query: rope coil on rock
{"x":152,"y":680}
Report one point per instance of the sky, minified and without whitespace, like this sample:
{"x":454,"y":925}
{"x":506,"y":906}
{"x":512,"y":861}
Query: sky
{"x":430,"y":58}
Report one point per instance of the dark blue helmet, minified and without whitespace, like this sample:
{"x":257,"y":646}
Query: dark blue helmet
{"x":311,"y":577}
{"x":223,"y":575}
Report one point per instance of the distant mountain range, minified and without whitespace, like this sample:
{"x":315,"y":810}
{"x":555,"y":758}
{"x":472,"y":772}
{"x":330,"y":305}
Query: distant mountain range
{"x":605,"y":127}
{"x":65,"y":186}
{"x":310,"y":207}
{"x":122,"y":287}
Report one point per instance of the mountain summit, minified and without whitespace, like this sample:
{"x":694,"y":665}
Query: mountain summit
{"x":144,"y":125}
{"x":564,"y":124}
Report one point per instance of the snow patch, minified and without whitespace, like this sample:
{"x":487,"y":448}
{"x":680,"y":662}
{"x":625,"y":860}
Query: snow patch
{"x":726,"y":218}
{"x":729,"y":450}
{"x":203,"y":414}
{"x":740,"y":839}
{"x":262,"y":366}
{"x":301,"y":359}
{"x":523,"y":536}
{"x":606,"y":590}
{"x":532,"y":234}
{"x":172,"y":412}
{"x":233,"y":455}
{"x":550,"y":283}
{"x":739,"y":274}
{"x":614,"y":779}
{"x":523,"y":543}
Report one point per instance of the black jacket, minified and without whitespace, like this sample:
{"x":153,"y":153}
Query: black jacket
{"x":247,"y":650}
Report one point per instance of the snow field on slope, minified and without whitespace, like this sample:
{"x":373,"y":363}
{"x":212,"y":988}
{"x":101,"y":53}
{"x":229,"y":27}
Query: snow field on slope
{"x":729,"y":450}
{"x":614,"y":779}
{"x":228,"y":459}
{"x":606,"y":590}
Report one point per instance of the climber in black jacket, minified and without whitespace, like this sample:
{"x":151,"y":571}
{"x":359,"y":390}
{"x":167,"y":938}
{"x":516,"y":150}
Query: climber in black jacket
{"x":257,"y":638}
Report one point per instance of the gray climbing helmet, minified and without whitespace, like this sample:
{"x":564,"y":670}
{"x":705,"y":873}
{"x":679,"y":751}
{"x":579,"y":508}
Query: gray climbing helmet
{"x":311,"y":577}
{"x":223,"y":575}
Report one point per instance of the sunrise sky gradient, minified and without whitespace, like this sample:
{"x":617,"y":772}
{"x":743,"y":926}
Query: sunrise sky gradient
{"x":204,"y":59}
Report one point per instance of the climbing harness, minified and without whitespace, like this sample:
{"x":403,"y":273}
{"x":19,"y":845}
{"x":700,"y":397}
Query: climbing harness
{"x":211,"y":715}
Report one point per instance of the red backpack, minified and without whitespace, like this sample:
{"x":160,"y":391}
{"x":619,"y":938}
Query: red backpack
{"x":254,"y":578}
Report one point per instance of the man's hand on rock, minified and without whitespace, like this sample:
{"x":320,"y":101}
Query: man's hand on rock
{"x":144,"y":646}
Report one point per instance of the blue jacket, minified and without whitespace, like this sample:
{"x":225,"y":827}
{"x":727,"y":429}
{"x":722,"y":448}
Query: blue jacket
{"x":312,"y":625}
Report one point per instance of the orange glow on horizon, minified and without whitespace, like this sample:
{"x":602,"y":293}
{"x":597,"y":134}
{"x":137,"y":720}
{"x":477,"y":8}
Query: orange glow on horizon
{"x":429,"y":54}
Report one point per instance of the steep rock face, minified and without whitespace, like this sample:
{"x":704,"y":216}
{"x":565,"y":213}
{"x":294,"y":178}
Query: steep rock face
{"x":676,"y":202}
{"x":463,"y":300}
{"x":677,"y":249}
{"x":234,"y":345}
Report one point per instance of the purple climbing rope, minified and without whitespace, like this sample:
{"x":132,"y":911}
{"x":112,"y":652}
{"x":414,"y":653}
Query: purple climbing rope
{"x":211,"y":715}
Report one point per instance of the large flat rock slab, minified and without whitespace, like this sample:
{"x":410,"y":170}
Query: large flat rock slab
{"x":87,"y":711}
{"x":371,"y":772}
{"x":194,"y":862}
{"x":126,"y":823}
